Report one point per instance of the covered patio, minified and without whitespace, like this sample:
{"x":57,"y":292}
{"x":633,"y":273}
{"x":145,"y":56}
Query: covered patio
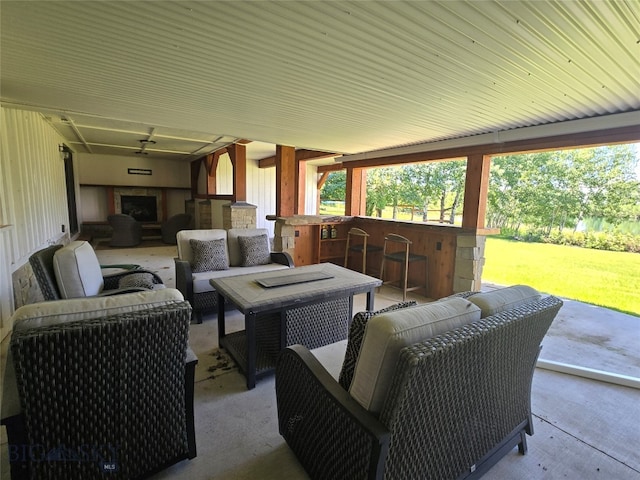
{"x":584,"y":428}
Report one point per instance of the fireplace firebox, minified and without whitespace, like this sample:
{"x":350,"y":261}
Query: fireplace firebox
{"x":142,"y":208}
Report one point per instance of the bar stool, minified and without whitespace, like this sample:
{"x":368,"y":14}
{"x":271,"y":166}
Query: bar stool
{"x":362,"y":248}
{"x":403,"y":257}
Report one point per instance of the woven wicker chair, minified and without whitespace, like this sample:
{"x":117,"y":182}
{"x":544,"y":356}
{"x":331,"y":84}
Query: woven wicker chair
{"x":169,"y":228}
{"x":42,"y":265}
{"x":127,"y":231}
{"x":457,"y":403}
{"x":114,"y":396}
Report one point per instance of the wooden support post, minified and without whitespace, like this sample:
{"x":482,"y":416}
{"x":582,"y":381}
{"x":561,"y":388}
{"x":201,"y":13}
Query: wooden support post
{"x":238,"y":156}
{"x":285,"y":180}
{"x":195,"y":174}
{"x":476,"y":189}
{"x":356,"y":194}
{"x":111,"y":201}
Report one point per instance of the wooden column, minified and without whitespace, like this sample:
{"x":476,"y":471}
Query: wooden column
{"x":476,"y":189}
{"x":195,"y":173}
{"x":111,"y":201}
{"x":356,"y":194}
{"x":285,"y":180}
{"x":238,"y":155}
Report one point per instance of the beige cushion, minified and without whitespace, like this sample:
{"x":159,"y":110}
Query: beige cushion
{"x":77,"y":270}
{"x":62,"y":311}
{"x":504,"y":299}
{"x":183,"y":237}
{"x":55,"y":312}
{"x":385,"y":335}
{"x":235,"y":256}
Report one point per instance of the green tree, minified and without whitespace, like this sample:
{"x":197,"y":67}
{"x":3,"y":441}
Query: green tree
{"x":559,"y":189}
{"x":334,"y":187}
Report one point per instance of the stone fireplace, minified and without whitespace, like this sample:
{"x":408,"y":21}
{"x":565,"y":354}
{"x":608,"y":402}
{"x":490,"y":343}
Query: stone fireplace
{"x":138,"y":202}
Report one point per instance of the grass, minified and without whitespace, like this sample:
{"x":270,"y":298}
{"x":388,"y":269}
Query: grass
{"x":598,"y":277}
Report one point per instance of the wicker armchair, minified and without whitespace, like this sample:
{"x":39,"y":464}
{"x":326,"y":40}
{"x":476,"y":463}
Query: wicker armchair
{"x":169,"y":228}
{"x":42,"y":263}
{"x":457,"y":403}
{"x":127,"y":231}
{"x":115,"y":394}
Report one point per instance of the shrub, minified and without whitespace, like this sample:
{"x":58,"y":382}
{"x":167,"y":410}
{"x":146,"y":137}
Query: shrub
{"x":612,"y":241}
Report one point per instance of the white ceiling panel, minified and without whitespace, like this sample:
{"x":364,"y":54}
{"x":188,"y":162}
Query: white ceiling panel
{"x":346,"y":77}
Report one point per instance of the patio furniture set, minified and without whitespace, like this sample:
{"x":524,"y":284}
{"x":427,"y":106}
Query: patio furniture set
{"x":437,"y":390}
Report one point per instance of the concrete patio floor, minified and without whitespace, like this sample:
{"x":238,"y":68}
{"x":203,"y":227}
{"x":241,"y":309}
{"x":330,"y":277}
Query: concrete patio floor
{"x":584,"y":428}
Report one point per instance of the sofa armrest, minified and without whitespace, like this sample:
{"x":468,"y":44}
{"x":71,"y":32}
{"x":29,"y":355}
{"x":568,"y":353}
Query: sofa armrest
{"x":320,"y":420}
{"x":283,"y":258}
{"x":184,"y":278}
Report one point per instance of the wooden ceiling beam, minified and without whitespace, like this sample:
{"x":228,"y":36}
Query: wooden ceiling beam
{"x":301,"y":155}
{"x":610,"y":136}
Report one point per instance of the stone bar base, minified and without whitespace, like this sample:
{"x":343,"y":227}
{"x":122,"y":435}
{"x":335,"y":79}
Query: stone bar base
{"x":468,"y":263}
{"x":239,"y":215}
{"x":285,"y":231}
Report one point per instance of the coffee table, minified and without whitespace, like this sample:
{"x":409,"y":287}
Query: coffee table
{"x":322,"y":306}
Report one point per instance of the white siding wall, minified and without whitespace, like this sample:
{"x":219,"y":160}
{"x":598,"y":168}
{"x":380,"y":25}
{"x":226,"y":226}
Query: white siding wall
{"x":261,"y":192}
{"x":311,"y":198}
{"x":33,"y":195}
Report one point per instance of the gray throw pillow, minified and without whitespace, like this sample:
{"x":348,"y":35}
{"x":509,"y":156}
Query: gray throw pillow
{"x":354,"y":342}
{"x":209,"y":255}
{"x":254,"y":250}
{"x":133,"y":280}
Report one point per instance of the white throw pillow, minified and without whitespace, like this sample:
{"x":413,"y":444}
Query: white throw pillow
{"x":386,"y":334}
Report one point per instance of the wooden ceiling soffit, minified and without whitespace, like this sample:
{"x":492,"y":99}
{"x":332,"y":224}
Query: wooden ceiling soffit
{"x":301,"y":155}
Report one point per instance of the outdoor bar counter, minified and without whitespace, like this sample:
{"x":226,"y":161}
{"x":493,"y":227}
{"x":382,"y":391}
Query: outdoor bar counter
{"x":455,"y":255}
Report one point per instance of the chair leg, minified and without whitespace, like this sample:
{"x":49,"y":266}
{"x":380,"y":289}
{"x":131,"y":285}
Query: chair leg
{"x":406,"y":274}
{"x":364,"y":258}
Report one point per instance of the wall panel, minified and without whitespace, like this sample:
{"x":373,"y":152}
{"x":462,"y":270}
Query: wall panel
{"x":33,"y":195}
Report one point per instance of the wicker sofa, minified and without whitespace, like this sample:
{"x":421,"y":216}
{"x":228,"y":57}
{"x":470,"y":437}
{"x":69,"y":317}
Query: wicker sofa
{"x":448,"y":406}
{"x":100,"y":385}
{"x":226,"y":256}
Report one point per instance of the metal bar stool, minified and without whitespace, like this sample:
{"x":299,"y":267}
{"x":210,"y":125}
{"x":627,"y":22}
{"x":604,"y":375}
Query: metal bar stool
{"x":404,"y":257}
{"x":362,"y":248}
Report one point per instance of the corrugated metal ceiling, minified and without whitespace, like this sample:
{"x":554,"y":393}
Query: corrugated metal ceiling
{"x":334,"y":76}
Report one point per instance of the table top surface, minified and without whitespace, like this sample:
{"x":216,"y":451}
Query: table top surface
{"x":249,"y":296}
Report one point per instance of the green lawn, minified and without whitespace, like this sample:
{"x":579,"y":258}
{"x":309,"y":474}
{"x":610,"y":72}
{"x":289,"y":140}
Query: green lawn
{"x":608,"y":279}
